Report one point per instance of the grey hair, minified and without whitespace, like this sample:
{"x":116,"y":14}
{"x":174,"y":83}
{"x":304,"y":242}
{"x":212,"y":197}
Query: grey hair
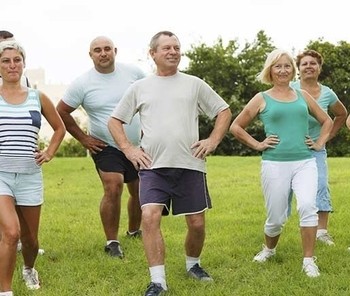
{"x":12,"y":44}
{"x":154,"y":41}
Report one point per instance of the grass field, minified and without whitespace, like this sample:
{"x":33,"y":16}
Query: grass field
{"x":75,"y":264}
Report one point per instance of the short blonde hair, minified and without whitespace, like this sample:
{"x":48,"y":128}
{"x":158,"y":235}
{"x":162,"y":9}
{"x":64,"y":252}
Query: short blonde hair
{"x":265,"y":75}
{"x":12,"y":44}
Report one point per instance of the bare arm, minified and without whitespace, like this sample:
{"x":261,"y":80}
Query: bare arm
{"x":206,"y":146}
{"x":339,"y":111}
{"x":241,"y":122}
{"x":135,"y":154}
{"x":49,"y":112}
{"x":323,"y":118}
{"x":92,"y":144}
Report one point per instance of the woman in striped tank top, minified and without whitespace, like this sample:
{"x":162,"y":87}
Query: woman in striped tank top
{"x":21,"y":183}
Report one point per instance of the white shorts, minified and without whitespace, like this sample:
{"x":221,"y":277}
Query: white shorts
{"x":26,"y":189}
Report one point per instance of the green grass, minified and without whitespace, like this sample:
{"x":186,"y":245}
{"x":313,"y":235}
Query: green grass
{"x":75,"y":264}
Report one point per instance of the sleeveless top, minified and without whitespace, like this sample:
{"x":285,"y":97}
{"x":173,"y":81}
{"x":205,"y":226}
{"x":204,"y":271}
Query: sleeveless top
{"x":326,"y":99}
{"x":289,"y":121}
{"x":19,"y":128}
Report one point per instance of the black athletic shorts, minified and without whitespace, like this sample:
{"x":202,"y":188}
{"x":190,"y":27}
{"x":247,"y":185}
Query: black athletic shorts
{"x":111,"y":159}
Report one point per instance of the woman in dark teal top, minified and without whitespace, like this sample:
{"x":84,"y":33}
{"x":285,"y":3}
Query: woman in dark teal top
{"x":309,"y":63}
{"x":287,"y":161}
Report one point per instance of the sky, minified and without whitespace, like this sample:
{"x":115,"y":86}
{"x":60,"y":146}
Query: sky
{"x":56,"y":34}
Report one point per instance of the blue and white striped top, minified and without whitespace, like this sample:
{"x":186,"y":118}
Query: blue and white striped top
{"x":19,"y":128}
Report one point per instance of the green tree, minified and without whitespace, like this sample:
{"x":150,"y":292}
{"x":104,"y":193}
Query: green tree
{"x":232,"y":73}
{"x":71,"y":148}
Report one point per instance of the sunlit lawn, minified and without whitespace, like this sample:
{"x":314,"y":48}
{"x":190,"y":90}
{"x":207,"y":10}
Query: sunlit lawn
{"x":75,"y":264}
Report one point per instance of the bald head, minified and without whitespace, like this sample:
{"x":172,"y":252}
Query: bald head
{"x":101,"y":40}
{"x":102,"y":52}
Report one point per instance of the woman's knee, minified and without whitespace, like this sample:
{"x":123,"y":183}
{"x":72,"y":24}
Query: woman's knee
{"x":273,"y":230}
{"x":10,"y":235}
{"x":308,"y":214}
{"x":273,"y":227}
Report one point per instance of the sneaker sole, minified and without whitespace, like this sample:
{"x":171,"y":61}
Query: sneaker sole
{"x":262,"y":261}
{"x":36,"y":287}
{"x":204,"y":279}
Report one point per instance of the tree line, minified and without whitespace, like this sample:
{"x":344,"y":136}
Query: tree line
{"x":231,"y":70}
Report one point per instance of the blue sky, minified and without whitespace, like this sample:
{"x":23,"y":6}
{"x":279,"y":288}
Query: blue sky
{"x":57,"y":34}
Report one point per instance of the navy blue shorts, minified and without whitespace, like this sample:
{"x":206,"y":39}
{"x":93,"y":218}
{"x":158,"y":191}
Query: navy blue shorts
{"x":184,"y":190}
{"x":111,"y":159}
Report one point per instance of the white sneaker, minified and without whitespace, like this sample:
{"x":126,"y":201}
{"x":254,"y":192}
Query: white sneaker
{"x":41,"y":251}
{"x":265,"y":254}
{"x":31,"y":278}
{"x":311,"y":269}
{"x":326,"y":239}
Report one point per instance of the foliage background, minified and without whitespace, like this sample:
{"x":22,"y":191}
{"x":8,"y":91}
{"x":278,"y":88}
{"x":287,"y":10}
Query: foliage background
{"x":231,"y":70}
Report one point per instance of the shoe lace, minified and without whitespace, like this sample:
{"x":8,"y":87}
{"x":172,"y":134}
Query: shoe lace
{"x":265,"y":252}
{"x":311,"y":268}
{"x":199,"y":271}
{"x":326,"y":237}
{"x":154,"y":287}
{"x":31,"y":277}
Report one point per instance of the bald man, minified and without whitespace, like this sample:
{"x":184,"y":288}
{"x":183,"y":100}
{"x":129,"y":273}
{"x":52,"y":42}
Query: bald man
{"x":98,"y":91}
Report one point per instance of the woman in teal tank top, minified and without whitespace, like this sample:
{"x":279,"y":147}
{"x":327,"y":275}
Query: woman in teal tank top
{"x":287,"y":161}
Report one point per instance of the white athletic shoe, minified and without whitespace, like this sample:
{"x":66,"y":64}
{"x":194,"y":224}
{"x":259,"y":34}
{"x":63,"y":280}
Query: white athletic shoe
{"x":326,"y":239}
{"x":311,"y":269}
{"x":31,"y":278}
{"x":265,"y":254}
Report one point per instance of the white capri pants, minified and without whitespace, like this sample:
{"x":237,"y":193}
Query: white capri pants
{"x":278,"y":178}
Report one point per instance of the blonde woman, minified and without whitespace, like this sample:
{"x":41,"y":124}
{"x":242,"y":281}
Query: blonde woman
{"x":287,"y":161}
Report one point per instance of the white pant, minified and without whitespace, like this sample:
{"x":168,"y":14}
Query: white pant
{"x":278,"y":178}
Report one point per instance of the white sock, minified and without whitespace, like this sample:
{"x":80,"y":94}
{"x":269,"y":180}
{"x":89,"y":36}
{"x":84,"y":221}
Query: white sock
{"x":191,"y":261}
{"x":132,"y":232}
{"x":8,"y":293}
{"x":27,"y":268}
{"x":268,"y":249}
{"x":158,"y":275}
{"x":321,"y":232}
{"x":112,"y":240}
{"x":308,"y":260}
